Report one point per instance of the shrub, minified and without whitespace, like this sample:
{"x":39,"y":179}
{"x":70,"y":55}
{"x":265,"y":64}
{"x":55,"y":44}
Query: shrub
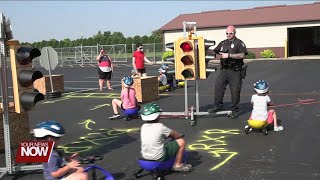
{"x":268,"y":53}
{"x":167,"y":54}
{"x":250,"y":55}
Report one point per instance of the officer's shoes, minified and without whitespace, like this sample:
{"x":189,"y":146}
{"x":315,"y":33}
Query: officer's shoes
{"x":214,"y":109}
{"x":234,"y":114}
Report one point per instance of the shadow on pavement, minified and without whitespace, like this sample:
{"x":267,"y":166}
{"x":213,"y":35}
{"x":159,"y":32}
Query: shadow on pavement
{"x":194,"y":158}
{"x":98,"y":143}
{"x":116,"y":176}
{"x":244,"y":107}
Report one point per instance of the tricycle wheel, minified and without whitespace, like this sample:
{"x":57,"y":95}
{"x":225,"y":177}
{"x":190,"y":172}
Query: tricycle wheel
{"x":265,"y":131}
{"x":247,"y":129}
{"x":137,"y":173}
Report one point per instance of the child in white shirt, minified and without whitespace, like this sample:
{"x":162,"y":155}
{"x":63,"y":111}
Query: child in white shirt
{"x":260,"y":102}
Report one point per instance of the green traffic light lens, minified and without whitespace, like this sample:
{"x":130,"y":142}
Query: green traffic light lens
{"x":187,"y":73}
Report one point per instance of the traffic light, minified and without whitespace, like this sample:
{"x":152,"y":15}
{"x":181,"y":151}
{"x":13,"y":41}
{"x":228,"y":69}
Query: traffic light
{"x":184,"y":55}
{"x":205,"y":55}
{"x":23,"y":76}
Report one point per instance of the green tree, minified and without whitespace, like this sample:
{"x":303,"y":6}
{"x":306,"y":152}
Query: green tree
{"x":136,"y":39}
{"x":103,"y":40}
{"x":66,"y":42}
{"x":106,"y":34}
{"x":90,"y":41}
{"x":42,"y":44}
{"x":53,"y":43}
{"x":129,"y":42}
{"x":157,"y":36}
{"x":144,"y":39}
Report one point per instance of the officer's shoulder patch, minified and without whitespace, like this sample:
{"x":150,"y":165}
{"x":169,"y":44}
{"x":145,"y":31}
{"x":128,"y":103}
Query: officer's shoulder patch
{"x":243,"y":45}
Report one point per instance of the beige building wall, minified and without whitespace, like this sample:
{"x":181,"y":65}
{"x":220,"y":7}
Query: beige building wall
{"x":258,"y":36}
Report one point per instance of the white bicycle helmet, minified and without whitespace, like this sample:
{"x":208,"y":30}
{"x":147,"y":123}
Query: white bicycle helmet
{"x":261,"y":86}
{"x":165,"y":67}
{"x":49,"y":128}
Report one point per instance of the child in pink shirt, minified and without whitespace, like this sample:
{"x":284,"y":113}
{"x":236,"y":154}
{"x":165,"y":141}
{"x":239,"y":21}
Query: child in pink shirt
{"x":128,"y":98}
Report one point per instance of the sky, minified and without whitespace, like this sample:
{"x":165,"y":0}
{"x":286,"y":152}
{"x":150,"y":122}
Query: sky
{"x":34,"y":21}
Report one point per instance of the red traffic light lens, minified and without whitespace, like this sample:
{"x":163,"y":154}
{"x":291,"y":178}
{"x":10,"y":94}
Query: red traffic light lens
{"x":26,"y":54}
{"x":186,"y":47}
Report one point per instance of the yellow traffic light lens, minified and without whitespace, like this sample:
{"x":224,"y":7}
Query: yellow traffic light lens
{"x":186,"y":47}
{"x":187,"y":60}
{"x":27,"y":77}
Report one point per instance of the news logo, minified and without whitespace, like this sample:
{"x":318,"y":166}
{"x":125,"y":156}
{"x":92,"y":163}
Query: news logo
{"x":34,"y":151}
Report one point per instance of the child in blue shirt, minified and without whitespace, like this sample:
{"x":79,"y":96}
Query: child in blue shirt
{"x":57,"y":168}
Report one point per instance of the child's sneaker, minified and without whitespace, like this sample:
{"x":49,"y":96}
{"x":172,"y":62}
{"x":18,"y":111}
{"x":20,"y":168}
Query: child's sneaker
{"x":182,"y":168}
{"x":115,"y":116}
{"x":278,"y":128}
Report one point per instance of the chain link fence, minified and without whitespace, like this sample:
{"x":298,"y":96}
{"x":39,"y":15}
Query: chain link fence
{"x":118,"y":52}
{"x":153,"y":51}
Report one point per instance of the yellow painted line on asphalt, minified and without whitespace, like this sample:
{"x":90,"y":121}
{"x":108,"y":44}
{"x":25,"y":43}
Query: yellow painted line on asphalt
{"x":99,"y":106}
{"x":87,"y":122}
{"x":84,"y":96}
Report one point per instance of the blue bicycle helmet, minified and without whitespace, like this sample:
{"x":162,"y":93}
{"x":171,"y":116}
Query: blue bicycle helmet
{"x":261,"y":86}
{"x":164,"y":67}
{"x":128,"y":81}
{"x":49,"y":128}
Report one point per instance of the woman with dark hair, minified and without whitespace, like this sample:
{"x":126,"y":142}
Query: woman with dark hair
{"x":105,"y":69}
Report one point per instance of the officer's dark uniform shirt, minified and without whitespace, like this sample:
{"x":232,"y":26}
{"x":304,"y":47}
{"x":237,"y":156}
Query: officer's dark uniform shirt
{"x":234,"y":46}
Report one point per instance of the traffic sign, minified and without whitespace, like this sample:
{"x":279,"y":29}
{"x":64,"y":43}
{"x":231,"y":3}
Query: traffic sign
{"x":48,"y":58}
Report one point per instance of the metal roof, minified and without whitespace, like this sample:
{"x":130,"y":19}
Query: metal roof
{"x":254,"y":16}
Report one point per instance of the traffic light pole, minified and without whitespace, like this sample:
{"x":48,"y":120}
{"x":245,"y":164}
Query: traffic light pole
{"x":4,"y":95}
{"x":189,"y":30}
{"x":10,"y":168}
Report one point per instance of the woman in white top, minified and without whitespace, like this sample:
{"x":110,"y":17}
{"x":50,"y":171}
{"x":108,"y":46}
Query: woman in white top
{"x":105,"y":69}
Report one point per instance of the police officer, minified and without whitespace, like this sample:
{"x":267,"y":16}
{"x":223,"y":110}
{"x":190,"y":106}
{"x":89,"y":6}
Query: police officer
{"x":232,"y":51}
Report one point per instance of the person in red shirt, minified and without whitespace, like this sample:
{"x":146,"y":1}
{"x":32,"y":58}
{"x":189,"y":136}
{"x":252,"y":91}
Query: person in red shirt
{"x":138,"y":59}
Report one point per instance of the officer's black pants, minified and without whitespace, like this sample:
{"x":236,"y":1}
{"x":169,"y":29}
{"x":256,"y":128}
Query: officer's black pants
{"x":234,"y":80}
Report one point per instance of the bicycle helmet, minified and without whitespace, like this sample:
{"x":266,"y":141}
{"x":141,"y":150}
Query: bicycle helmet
{"x":150,"y":112}
{"x":48,"y":128}
{"x":261,"y":86}
{"x":162,"y":70}
{"x":128,"y":81}
{"x":165,"y":67}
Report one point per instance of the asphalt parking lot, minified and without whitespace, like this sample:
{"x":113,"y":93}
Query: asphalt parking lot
{"x":218,"y":147}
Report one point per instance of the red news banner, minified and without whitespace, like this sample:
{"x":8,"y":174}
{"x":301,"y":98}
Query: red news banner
{"x":34,"y":151}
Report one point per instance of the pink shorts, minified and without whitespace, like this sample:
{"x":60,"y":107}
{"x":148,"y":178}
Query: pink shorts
{"x":270,"y":117}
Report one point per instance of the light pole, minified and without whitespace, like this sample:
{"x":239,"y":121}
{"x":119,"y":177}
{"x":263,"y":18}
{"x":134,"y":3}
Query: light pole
{"x":81,"y":49}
